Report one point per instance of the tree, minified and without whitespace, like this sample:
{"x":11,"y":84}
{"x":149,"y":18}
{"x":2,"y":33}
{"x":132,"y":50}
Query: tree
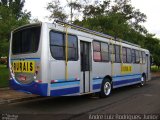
{"x":133,"y":16}
{"x":56,"y":10}
{"x":97,"y":9}
{"x":73,"y":6}
{"x":12,"y":16}
{"x":106,"y":24}
{"x":153,"y":45}
{"x":16,"y":7}
{"x":120,"y":20}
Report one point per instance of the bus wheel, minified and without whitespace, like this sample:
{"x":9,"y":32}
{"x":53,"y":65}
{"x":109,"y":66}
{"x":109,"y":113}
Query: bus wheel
{"x":106,"y":88}
{"x":143,"y":81}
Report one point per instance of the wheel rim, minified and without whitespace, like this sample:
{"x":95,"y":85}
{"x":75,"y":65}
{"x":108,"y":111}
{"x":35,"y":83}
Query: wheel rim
{"x":142,"y":81}
{"x":107,"y":88}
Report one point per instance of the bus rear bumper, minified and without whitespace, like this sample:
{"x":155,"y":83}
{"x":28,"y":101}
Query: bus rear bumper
{"x":33,"y":88}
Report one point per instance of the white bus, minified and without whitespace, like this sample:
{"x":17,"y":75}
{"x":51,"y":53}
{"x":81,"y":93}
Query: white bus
{"x":63,"y":59}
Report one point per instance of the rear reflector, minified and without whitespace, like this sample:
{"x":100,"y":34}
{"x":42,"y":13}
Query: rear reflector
{"x":38,"y":81}
{"x":53,"y":81}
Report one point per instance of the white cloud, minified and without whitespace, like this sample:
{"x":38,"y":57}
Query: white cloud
{"x":37,"y":8}
{"x":151,"y":9}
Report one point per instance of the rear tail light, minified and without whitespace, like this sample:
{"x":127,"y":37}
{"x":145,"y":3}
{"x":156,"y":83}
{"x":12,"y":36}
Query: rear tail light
{"x":53,"y":81}
{"x":36,"y":72}
{"x":77,"y":78}
{"x":11,"y":75}
{"x":38,"y":81}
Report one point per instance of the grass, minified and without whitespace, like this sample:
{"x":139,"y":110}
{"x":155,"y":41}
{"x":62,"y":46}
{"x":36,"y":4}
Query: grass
{"x":4,"y":76}
{"x":155,"y":69}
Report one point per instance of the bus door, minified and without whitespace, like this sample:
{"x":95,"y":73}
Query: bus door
{"x":85,"y":66}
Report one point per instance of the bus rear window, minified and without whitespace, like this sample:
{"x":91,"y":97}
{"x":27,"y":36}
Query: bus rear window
{"x":26,"y":40}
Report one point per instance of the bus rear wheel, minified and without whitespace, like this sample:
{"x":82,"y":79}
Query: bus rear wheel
{"x":106,"y":88}
{"x":143,"y":80}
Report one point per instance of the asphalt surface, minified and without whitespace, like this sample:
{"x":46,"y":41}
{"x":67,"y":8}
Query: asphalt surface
{"x":124,"y":103}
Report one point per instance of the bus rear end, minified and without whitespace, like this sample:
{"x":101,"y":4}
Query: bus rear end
{"x":25,"y":60}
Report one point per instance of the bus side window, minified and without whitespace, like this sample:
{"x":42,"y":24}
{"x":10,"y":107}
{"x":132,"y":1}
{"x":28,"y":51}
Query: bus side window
{"x":96,"y":51}
{"x":143,"y":57}
{"x":112,"y":52}
{"x":118,"y":53}
{"x":57,"y":45}
{"x":137,"y":57}
{"x":133,"y":56}
{"x":72,"y":47}
{"x":104,"y":52}
{"x":124,"y":53}
{"x":129,"y":55}
{"x":140,"y":56}
{"x":100,"y":51}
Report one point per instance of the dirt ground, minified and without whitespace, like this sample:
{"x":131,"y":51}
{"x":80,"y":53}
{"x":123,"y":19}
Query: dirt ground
{"x":155,"y":74}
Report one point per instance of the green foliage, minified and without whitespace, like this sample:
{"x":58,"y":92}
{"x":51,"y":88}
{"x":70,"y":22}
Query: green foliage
{"x":16,"y":8}
{"x":97,"y":9}
{"x":73,"y":6}
{"x":106,"y":24}
{"x":155,"y":69}
{"x":11,"y":17}
{"x":4,"y":78}
{"x":120,"y":20}
{"x":4,"y":47}
{"x":56,"y":11}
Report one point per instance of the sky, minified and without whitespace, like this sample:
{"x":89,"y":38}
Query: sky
{"x":149,"y":7}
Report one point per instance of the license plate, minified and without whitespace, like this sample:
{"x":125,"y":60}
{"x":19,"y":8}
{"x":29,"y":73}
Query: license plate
{"x":24,"y":66}
{"x":22,"y":77}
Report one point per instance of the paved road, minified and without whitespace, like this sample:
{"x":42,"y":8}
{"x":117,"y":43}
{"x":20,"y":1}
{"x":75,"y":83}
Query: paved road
{"x":139,"y":101}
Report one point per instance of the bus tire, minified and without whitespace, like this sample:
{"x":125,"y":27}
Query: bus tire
{"x":143,"y":81}
{"x":105,"y":88}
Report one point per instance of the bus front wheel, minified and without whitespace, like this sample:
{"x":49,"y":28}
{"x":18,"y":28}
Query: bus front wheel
{"x":106,"y":88}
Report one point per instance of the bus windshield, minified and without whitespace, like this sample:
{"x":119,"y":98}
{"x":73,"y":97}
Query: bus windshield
{"x":26,"y":40}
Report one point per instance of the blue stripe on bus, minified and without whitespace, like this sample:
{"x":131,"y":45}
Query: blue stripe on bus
{"x":126,"y":75}
{"x":119,"y":81}
{"x":65,"y":84}
{"x":96,"y":86}
{"x":115,"y":83}
{"x":65,"y":91}
{"x":126,"y":78}
{"x":26,"y":59}
{"x":34,"y":88}
{"x":97,"y":81}
{"x":98,"y":78}
{"x":68,"y":80}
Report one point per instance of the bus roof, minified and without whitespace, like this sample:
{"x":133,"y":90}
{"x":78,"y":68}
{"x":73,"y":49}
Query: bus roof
{"x":95,"y":32}
{"x":27,"y":25}
{"x":85,"y":30}
{"x":74,"y":29}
